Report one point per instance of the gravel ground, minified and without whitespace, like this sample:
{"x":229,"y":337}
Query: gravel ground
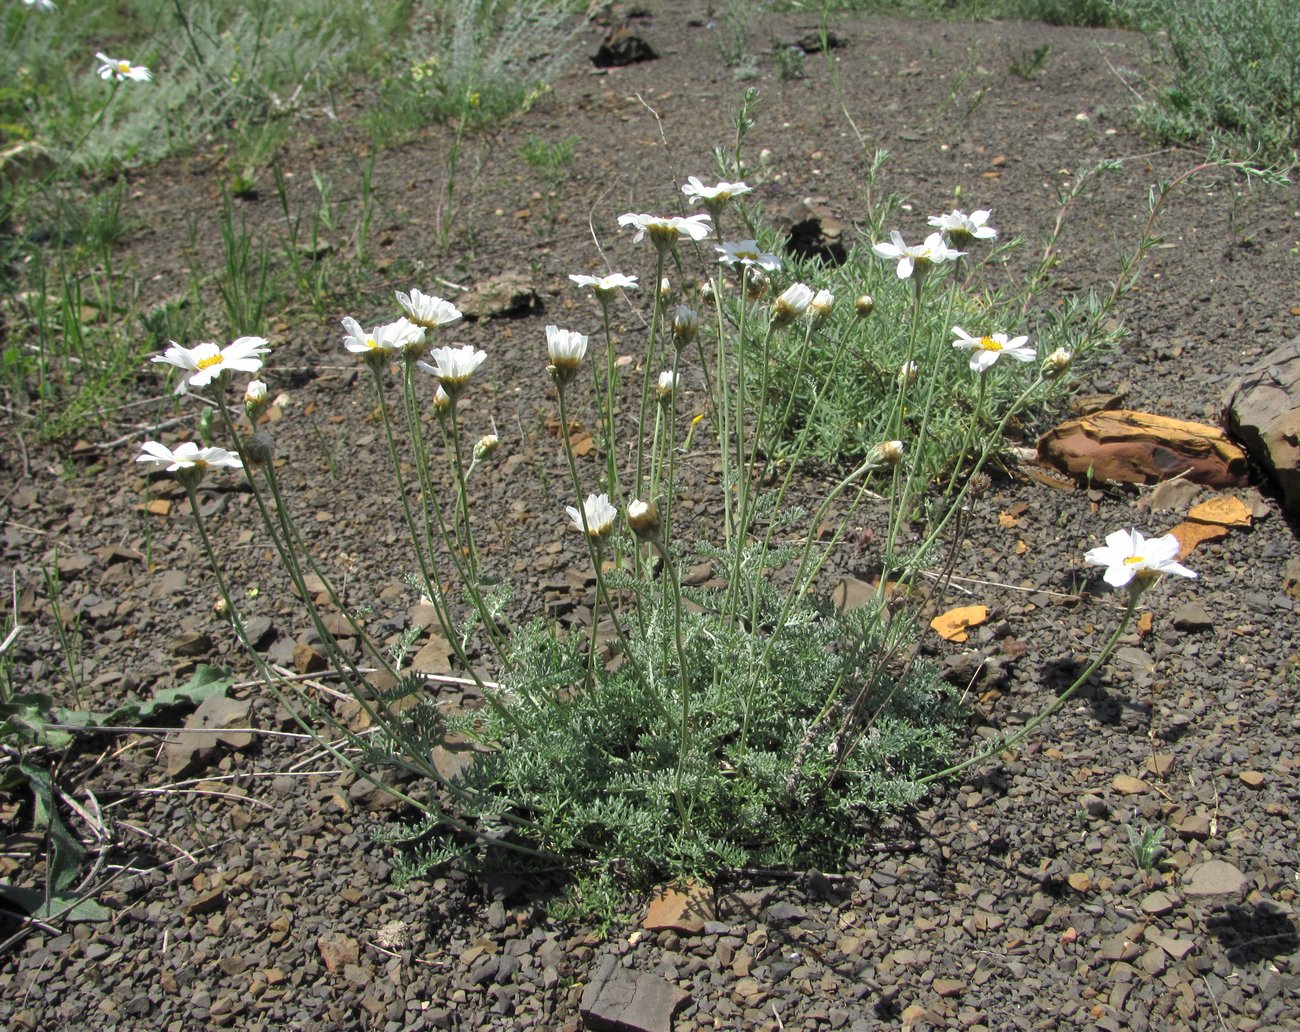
{"x":245,"y":887}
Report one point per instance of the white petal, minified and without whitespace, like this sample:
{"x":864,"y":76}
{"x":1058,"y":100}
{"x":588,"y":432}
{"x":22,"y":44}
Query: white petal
{"x":1119,"y":575}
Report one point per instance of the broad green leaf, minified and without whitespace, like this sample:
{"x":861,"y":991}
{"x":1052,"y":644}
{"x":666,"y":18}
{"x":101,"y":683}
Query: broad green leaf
{"x":66,"y":853}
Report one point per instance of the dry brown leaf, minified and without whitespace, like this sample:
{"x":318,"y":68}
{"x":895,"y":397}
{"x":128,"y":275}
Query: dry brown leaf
{"x":1190,"y":535}
{"x":1007,"y":521}
{"x":953,"y":625}
{"x":1226,"y":511}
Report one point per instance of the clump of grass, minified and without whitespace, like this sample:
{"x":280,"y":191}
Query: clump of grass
{"x":1230,"y":73}
{"x":474,"y":64}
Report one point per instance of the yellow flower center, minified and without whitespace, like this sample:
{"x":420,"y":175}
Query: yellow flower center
{"x":989,"y":344}
{"x":211,"y":360}
{"x":372,"y":344}
{"x":1134,"y":560}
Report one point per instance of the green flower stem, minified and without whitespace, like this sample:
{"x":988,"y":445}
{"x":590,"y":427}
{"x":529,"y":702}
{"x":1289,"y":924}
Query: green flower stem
{"x":285,"y":544}
{"x":656,"y":451}
{"x":670,"y":487}
{"x":894,"y":425}
{"x":740,"y":474}
{"x":977,"y":418}
{"x":792,"y":388}
{"x":655,"y":319}
{"x":593,"y":547}
{"x":269,"y":678}
{"x":606,"y":412}
{"x":1009,"y":743}
{"x":432,"y":583}
{"x":461,"y":516}
{"x":955,"y":504}
{"x":685,"y":806}
{"x":723,"y":405}
{"x":419,"y":447}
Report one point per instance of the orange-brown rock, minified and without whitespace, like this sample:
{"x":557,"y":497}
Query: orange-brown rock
{"x":1142,"y":448}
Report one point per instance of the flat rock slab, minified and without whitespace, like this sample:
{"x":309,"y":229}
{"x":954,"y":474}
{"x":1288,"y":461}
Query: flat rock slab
{"x":1215,"y":880}
{"x":1263,"y":412}
{"x":619,"y":1000}
{"x":1142,"y":448}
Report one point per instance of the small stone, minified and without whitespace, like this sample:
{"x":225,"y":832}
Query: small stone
{"x":1191,"y":616}
{"x":1214,"y":879}
{"x":1119,"y":947}
{"x":206,"y":902}
{"x":308,"y":659}
{"x":1096,"y":806}
{"x":947,"y":986}
{"x":1252,"y":778}
{"x":1126,"y":784}
{"x":1196,"y":826}
{"x":1157,"y":904}
{"x":337,"y":951}
{"x":1080,"y":881}
{"x":191,"y":645}
{"x":785,"y":913}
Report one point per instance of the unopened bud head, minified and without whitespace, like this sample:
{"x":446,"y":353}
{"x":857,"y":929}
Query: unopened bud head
{"x":686,"y":324}
{"x":1056,"y":364}
{"x":260,"y":449}
{"x":756,"y":284}
{"x":255,"y":394}
{"x":643,"y":518}
{"x":485,"y":446}
{"x":819,"y":308}
{"x":888,"y":453}
{"x":864,"y":305}
{"x":791,"y":303}
{"x":441,"y":403}
{"x":665,"y":290}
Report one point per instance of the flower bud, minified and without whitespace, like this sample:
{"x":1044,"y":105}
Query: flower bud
{"x":643,"y":518}
{"x":665,"y":290}
{"x":686,"y":324}
{"x":887,"y":453}
{"x":907,"y":374}
{"x":255,"y":399}
{"x":707,"y":297}
{"x":864,"y":305}
{"x":791,"y":303}
{"x":260,"y":448}
{"x":1056,"y":364}
{"x":441,"y":403}
{"x":666,"y":385}
{"x":819,"y":308}
{"x":756,"y":284}
{"x":485,"y":446}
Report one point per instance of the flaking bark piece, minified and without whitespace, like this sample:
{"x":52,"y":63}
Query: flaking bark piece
{"x":1142,"y":448}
